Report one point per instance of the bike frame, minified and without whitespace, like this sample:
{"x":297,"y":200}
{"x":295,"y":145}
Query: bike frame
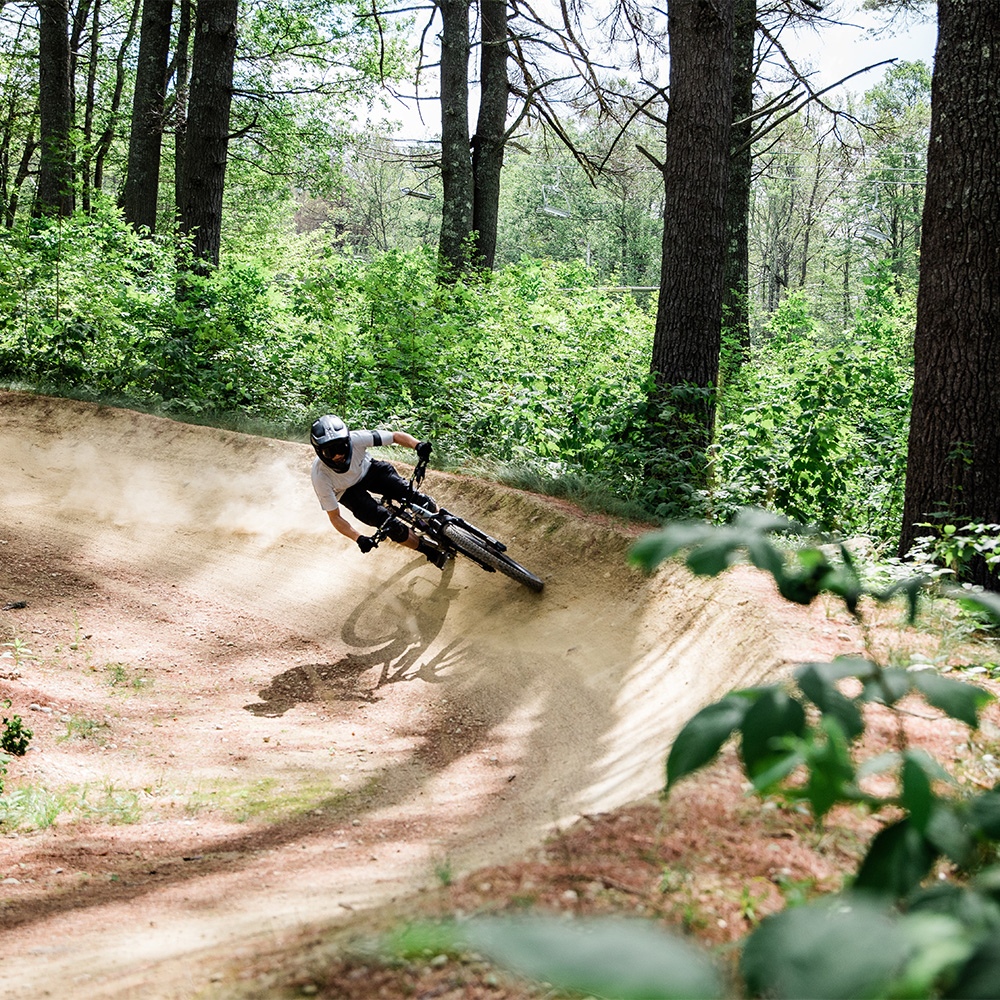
{"x":431,"y":524}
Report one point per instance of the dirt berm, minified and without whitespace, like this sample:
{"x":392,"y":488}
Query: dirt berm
{"x":250,"y":727}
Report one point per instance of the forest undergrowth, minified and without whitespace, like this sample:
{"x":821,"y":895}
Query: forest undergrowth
{"x":533,"y":375}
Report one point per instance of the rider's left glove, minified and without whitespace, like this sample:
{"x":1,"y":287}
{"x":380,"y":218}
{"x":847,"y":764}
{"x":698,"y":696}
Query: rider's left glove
{"x":365,"y":543}
{"x":424,"y":450}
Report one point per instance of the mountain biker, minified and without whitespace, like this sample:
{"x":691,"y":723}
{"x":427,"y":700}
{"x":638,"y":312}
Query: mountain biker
{"x":343,"y":474}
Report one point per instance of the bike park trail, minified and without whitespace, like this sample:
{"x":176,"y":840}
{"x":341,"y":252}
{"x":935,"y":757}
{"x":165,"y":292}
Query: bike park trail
{"x":251,"y":730}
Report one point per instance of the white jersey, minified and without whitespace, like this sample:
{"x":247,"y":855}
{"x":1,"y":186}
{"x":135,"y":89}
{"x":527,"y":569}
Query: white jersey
{"x":329,"y":485}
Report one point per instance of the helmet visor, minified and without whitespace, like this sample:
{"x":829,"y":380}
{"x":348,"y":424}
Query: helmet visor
{"x":335,"y":452}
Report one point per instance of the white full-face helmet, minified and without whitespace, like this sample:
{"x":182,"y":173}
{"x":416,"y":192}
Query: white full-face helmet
{"x":331,"y":440}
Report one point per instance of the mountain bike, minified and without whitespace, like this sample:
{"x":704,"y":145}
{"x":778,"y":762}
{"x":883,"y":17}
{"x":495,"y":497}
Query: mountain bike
{"x":453,"y":534}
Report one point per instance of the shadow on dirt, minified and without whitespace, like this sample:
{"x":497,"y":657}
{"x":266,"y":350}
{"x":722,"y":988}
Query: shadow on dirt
{"x":395,"y":628}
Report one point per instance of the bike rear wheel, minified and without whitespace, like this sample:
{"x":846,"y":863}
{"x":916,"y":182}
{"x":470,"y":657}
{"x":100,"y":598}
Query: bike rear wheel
{"x":476,"y":549}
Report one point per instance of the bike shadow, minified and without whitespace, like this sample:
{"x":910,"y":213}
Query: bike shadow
{"x":392,"y":631}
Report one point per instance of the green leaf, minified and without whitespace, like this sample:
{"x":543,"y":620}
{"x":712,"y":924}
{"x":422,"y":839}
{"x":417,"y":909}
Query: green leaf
{"x":658,"y":546}
{"x":886,"y":761}
{"x":831,"y":770}
{"x":979,"y":976}
{"x":949,"y":832}
{"x":764,"y":555}
{"x":703,"y":736}
{"x":897,"y":860}
{"x":762,"y":522}
{"x":803,"y":952}
{"x":987,"y":881}
{"x":772,"y":716}
{"x":939,"y":943}
{"x":780,"y":767}
{"x":917,"y":797}
{"x":955,"y":698}
{"x":823,"y":693}
{"x":608,"y":957}
{"x":887,"y":686}
{"x":984,"y":814}
{"x":714,"y":555}
{"x":983,"y":599}
{"x":841,"y":667}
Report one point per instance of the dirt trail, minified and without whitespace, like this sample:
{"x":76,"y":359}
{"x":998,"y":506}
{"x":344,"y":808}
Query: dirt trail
{"x":309,"y":731}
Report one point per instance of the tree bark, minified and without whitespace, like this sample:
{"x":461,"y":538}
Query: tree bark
{"x":54,"y":195}
{"x":142,"y":178}
{"x":456,"y":162}
{"x":687,"y":337}
{"x":207,"y":137}
{"x":488,"y":142}
{"x":953,"y":462}
{"x":90,"y":100}
{"x":182,"y":79}
{"x":736,"y":286}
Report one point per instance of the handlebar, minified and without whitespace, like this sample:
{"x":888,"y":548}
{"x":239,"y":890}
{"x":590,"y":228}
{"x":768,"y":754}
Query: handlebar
{"x":417,"y":477}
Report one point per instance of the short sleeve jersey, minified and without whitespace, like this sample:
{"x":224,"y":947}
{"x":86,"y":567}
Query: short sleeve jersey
{"x":329,"y":485}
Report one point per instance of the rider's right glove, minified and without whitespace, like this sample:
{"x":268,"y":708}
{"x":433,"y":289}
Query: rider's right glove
{"x":423,"y":450}
{"x":365,"y":543}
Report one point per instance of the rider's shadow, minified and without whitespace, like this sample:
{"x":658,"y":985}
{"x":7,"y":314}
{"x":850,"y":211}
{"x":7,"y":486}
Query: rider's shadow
{"x":392,"y":632}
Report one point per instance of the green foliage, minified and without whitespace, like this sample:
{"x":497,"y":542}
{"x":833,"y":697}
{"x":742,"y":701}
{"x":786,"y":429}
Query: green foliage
{"x":533,"y":371}
{"x":15,"y":737}
{"x":815,"y":427}
{"x":36,"y":808}
{"x":605,"y":957}
{"x":895,"y":933}
{"x":950,"y":548}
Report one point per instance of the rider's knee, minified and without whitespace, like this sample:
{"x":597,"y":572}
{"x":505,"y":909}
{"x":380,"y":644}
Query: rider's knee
{"x":397,"y":531}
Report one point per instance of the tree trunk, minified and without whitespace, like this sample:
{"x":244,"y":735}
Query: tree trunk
{"x":207,"y":138}
{"x":142,"y":179}
{"x":488,"y":142}
{"x":953,"y":465}
{"x":54,"y":195}
{"x":182,"y":76}
{"x":456,"y":162}
{"x":687,"y":338}
{"x":88,"y":110}
{"x":736,"y":287}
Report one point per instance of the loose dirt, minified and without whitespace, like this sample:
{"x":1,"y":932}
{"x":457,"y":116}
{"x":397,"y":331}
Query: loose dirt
{"x":252,"y":735}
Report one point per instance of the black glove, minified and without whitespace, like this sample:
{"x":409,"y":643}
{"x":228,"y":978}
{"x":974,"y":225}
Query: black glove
{"x":365,"y":543}
{"x":423,"y":450}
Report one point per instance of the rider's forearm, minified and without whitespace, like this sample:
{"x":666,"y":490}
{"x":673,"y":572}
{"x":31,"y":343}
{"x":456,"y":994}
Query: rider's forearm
{"x":343,"y":525}
{"x":406,"y":440}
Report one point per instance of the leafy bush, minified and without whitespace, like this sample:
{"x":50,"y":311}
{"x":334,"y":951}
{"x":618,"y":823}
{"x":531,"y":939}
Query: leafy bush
{"x":15,"y":738}
{"x":896,"y":932}
{"x":533,"y":370}
{"x":951,"y":547}
{"x":815,"y":426}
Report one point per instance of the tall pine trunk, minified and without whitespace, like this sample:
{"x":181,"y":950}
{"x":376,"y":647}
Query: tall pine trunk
{"x":687,"y":336}
{"x":142,"y":178}
{"x":953,"y":464}
{"x":736,"y":288}
{"x":488,"y":142}
{"x":456,"y":161}
{"x":182,"y":82}
{"x":54,"y":195}
{"x":207,"y":136}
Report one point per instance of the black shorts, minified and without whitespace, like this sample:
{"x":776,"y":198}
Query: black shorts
{"x":382,"y":479}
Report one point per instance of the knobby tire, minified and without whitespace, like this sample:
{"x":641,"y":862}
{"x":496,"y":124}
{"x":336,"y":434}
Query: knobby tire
{"x":474,"y":547}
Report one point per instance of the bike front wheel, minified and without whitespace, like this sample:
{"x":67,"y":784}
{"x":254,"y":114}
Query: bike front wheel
{"x":477,"y":550}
